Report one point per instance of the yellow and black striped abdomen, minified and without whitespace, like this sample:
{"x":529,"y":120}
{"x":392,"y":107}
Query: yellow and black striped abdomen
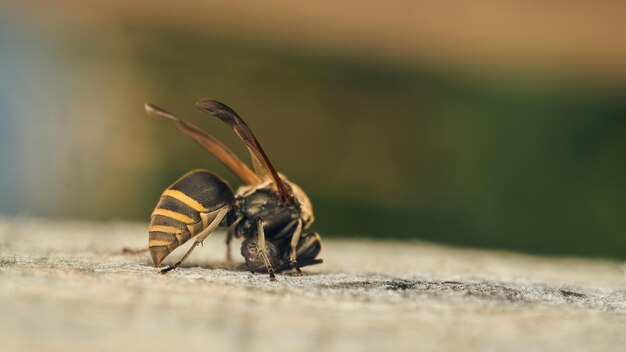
{"x":184,"y":210}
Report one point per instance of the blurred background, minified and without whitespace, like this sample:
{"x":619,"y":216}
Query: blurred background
{"x":498,"y":124}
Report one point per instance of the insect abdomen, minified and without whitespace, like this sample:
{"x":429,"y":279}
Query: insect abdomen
{"x":184,"y":210}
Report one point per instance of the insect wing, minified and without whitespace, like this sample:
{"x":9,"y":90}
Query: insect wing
{"x":230,"y":117}
{"x":217,"y":148}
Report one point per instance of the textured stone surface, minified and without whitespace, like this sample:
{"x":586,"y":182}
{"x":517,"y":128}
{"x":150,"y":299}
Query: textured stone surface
{"x":65,"y":286}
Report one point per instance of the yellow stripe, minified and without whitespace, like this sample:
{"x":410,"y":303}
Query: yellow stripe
{"x":159,"y":243}
{"x":192,"y":203}
{"x":173,"y":215}
{"x":161,"y":228}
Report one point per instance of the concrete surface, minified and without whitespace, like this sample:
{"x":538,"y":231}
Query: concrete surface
{"x":65,"y":286}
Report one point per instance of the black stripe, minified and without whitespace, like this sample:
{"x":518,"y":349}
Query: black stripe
{"x":175,"y":205}
{"x":166,"y":221}
{"x":163,"y":236}
{"x":206,"y":188}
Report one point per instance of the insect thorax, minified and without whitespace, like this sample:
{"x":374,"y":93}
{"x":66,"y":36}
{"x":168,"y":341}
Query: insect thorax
{"x":261,"y":203}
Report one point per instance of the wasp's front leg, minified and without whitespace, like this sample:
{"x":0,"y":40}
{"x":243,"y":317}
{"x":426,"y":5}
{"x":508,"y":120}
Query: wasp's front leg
{"x":293,"y":254}
{"x":229,"y":238}
{"x":309,"y":247}
{"x":262,"y":252}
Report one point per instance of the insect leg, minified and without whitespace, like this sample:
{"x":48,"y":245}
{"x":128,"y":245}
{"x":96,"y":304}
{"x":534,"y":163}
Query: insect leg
{"x":261,"y":243}
{"x":200,"y":238}
{"x":309,"y":247}
{"x":229,"y":238}
{"x":293,"y":256}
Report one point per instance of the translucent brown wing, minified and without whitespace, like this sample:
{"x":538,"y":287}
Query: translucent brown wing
{"x":230,"y":117}
{"x":225,"y":155}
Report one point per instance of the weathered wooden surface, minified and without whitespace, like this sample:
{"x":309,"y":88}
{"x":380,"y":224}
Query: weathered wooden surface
{"x":66,"y":287}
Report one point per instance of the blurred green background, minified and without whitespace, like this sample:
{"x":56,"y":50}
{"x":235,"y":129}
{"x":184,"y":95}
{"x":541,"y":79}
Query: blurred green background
{"x":487,"y":125}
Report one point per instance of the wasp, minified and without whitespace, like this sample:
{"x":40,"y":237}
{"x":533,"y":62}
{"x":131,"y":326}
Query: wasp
{"x":268,"y":211}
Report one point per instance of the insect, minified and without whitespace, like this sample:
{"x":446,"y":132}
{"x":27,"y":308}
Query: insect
{"x":269,"y":212}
